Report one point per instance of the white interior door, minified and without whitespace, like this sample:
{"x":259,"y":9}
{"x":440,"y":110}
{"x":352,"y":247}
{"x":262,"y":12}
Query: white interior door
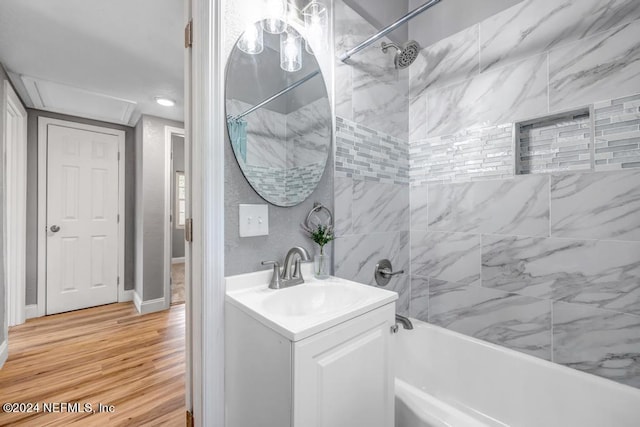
{"x":82,"y":219}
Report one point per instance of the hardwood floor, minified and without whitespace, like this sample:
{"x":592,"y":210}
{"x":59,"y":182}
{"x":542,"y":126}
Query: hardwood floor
{"x":109,"y":355}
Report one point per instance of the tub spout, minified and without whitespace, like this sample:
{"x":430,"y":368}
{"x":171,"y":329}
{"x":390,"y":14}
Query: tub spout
{"x":404,"y":321}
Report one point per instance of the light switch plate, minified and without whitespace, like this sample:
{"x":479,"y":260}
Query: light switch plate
{"x":254,"y":220}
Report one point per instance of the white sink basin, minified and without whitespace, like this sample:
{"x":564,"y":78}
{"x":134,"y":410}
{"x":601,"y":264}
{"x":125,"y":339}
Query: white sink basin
{"x":313,"y":299}
{"x":303,"y":310}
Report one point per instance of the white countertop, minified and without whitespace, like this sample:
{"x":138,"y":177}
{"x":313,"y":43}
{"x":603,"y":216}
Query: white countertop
{"x":251,"y":294}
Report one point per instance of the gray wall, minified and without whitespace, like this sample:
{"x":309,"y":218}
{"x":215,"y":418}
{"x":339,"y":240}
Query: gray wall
{"x":32,"y":198}
{"x":177,"y":240}
{"x":150,"y":152}
{"x":244,"y":254}
{"x":547,"y":263}
{"x":139,"y":208}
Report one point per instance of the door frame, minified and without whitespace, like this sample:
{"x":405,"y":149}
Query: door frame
{"x":169,"y":131}
{"x":205,"y":123}
{"x":43,"y":123}
{"x":14,"y":145}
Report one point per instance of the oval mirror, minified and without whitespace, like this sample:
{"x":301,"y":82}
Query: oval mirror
{"x":278,"y":121}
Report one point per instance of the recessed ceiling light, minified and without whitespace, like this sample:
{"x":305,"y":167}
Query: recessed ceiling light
{"x":165,"y":102}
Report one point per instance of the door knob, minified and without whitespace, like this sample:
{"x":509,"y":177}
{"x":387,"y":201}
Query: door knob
{"x":54,"y":228}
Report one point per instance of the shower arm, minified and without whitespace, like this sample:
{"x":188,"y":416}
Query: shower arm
{"x":417,"y":11}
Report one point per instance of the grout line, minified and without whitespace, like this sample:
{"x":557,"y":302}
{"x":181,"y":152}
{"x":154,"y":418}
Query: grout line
{"x":479,"y":50}
{"x":548,"y":81}
{"x":551,"y":313}
{"x":549,"y":219}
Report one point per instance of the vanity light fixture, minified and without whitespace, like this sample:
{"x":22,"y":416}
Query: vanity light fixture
{"x":275,"y":11}
{"x":165,"y":102}
{"x":290,"y":50}
{"x":315,"y":24}
{"x":252,"y":40}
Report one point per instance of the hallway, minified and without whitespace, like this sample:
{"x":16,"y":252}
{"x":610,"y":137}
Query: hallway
{"x":107,"y":355}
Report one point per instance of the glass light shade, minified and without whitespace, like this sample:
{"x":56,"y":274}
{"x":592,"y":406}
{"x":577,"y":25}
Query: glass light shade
{"x":290,"y":50}
{"x":275,"y":12}
{"x":315,"y":24}
{"x":251,"y":41}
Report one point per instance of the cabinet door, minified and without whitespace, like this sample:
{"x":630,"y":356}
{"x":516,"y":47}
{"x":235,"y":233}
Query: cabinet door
{"x":344,"y":376}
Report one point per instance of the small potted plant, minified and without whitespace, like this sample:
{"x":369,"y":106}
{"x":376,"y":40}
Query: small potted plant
{"x":322,"y":235}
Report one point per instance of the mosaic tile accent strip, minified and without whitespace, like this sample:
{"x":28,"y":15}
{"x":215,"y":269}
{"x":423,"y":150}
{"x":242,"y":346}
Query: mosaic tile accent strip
{"x":371,"y":155}
{"x":483,"y":153}
{"x":282,"y":186}
{"x":617,"y":133}
{"x":554,"y":144}
{"x":302,"y":180}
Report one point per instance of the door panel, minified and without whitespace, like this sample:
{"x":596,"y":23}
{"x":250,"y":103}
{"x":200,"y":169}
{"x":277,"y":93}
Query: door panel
{"x":82,"y":200}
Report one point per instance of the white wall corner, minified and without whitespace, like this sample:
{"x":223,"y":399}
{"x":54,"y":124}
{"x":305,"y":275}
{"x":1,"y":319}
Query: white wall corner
{"x":4,"y":352}
{"x":126,"y":295}
{"x":150,"y":306}
{"x":137,"y":301}
{"x":31,"y":311}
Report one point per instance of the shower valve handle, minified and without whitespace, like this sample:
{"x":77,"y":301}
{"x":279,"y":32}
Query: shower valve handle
{"x":388,"y":273}
{"x":384,"y":272}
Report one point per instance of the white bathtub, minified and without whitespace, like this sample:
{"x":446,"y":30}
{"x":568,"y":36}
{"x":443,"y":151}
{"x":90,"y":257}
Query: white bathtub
{"x":448,"y":379}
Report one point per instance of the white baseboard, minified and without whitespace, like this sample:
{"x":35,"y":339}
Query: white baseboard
{"x":177,"y":260}
{"x":150,"y":306}
{"x":31,"y":311}
{"x":137,"y":301}
{"x":126,"y":295}
{"x":4,"y":352}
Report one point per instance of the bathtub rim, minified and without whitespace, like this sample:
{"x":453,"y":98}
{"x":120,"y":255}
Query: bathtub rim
{"x":601,"y":381}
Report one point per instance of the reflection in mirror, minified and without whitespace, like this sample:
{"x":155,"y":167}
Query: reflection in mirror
{"x":279,"y":121}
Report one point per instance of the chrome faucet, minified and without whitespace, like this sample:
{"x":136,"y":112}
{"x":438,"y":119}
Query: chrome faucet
{"x":291,"y":273}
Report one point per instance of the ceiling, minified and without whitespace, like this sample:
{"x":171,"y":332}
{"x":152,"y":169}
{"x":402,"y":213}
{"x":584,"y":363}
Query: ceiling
{"x":443,"y":20}
{"x":115,"y":54}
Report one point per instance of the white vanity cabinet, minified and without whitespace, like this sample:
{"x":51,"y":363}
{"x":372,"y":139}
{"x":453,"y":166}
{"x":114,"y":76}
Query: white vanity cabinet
{"x":341,"y":376}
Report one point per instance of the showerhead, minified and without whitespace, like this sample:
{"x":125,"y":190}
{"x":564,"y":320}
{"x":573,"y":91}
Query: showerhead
{"x":405,"y":54}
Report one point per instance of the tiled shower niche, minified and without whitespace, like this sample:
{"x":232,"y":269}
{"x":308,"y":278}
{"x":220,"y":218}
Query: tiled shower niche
{"x":602,"y":137}
{"x":560,"y":142}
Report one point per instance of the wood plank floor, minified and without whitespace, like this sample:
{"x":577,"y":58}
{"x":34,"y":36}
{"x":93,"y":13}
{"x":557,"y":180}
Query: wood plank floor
{"x":109,"y":355}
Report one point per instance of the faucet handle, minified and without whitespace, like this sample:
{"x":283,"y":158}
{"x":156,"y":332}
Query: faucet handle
{"x":276,"y":282}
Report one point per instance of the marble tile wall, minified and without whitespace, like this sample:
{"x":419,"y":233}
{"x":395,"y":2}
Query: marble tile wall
{"x":547,"y":264}
{"x":544,"y":264}
{"x":369,"y":90}
{"x":371,"y":185}
{"x":535,"y":59}
{"x":372,"y":223}
{"x":308,"y":130}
